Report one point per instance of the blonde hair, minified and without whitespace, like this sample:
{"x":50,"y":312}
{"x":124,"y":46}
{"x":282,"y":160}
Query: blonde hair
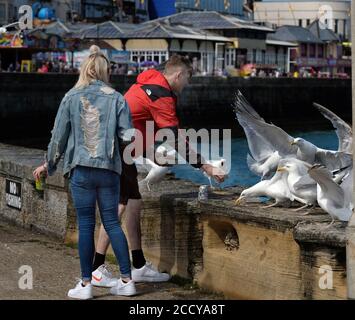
{"x":94,"y":67}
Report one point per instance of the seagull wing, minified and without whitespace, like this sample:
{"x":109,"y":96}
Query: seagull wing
{"x":240,"y":102}
{"x":259,"y":148}
{"x":272,"y":135}
{"x":347,"y":187}
{"x":331,"y":190}
{"x":263,"y":138}
{"x":144,"y":164}
{"x":343,"y":130}
{"x":333,"y":160}
{"x":304,"y":182}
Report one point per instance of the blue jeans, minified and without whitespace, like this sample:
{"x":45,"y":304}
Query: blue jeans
{"x":88,"y":185}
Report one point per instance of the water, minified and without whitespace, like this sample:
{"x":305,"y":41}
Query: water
{"x":240,"y":174}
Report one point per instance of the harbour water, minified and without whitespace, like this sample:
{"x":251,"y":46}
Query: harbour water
{"x":240,"y":174}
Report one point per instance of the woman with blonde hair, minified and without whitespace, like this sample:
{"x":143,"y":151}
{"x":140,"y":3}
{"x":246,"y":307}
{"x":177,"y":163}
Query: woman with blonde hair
{"x":89,"y":130}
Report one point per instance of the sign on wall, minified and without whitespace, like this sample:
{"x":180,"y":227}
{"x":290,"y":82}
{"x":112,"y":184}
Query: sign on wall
{"x":120,"y":56}
{"x":13,"y":194}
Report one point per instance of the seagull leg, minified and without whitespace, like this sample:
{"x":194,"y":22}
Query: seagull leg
{"x":301,"y":208}
{"x":329,"y":225}
{"x":309,"y":211}
{"x":148,"y":187}
{"x":271,"y":205}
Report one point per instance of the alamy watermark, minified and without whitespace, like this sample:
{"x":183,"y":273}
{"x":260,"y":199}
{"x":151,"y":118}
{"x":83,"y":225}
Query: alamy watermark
{"x":25,"y":21}
{"x":26,"y":18}
{"x":326,"y":279}
{"x":177,"y":145}
{"x":26,"y":280}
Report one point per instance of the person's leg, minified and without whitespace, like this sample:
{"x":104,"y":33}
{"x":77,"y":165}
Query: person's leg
{"x":129,"y":191}
{"x":103,"y":242}
{"x":84,"y":199}
{"x":108,"y":195}
{"x":133,"y":226}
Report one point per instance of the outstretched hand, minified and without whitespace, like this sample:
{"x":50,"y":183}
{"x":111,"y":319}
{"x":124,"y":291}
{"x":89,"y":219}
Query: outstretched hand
{"x":217,"y":173}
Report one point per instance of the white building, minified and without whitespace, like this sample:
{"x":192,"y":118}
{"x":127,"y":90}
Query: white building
{"x":335,"y":14}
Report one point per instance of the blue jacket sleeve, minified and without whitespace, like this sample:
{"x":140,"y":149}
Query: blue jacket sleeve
{"x":60,"y":134}
{"x":124,"y":123}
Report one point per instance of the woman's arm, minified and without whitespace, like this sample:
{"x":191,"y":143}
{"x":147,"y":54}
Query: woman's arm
{"x":60,"y":134}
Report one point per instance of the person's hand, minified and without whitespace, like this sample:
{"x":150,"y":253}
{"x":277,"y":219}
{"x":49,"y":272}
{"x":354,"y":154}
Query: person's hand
{"x":217,"y":173}
{"x":38,"y":171}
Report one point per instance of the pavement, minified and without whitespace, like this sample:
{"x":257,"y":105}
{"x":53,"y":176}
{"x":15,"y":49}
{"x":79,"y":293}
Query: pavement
{"x":55,"y":267}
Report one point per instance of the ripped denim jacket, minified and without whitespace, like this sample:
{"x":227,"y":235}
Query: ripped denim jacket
{"x":89,"y":128}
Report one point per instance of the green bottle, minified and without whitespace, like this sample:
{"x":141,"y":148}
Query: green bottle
{"x":41,"y":182}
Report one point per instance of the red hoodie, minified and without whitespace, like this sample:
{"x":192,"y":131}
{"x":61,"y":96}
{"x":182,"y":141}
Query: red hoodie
{"x":151,"y":98}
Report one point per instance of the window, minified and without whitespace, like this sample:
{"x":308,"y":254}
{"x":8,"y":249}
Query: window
{"x":312,"y":50}
{"x":336,"y":25}
{"x":230,"y":57}
{"x":300,"y":22}
{"x":308,"y":22}
{"x":320,"y":51}
{"x":303,"y":50}
{"x":141,"y":56}
{"x":263,"y":60}
{"x":2,"y":12}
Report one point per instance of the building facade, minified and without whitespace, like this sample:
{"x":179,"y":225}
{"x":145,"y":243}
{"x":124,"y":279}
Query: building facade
{"x":335,"y":14}
{"x":234,"y":7}
{"x":318,"y":48}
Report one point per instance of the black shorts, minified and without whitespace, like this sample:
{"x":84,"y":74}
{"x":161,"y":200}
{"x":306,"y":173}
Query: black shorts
{"x":129,"y":188}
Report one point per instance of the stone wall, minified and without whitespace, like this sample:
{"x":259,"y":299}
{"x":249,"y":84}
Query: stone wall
{"x":245,"y":252}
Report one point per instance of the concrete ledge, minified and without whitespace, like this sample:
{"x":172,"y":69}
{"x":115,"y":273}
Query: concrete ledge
{"x":244,"y":252}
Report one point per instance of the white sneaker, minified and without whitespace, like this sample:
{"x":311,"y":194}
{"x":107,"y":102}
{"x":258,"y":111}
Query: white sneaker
{"x":148,"y":273}
{"x":80,"y":292}
{"x":124,"y":289}
{"x":101,"y":277}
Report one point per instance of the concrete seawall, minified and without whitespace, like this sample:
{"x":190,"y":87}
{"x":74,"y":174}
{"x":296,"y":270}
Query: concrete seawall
{"x":244,"y":252}
{"x":29,"y":102}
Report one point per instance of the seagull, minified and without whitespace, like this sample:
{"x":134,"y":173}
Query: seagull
{"x":343,"y":130}
{"x":155,"y":172}
{"x":269,"y":143}
{"x":166,"y":155}
{"x":333,"y":198}
{"x":301,"y":185}
{"x":276,"y":188}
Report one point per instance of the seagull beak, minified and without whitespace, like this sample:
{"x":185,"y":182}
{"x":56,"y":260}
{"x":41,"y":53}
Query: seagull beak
{"x":239,"y":201}
{"x":293,"y":143}
{"x":281,"y":169}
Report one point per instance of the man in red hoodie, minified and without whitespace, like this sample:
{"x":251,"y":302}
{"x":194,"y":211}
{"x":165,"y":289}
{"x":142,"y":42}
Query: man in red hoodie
{"x":151,"y":98}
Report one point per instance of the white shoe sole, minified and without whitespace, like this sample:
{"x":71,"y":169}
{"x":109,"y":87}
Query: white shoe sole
{"x":98,"y":284}
{"x":80,"y":297}
{"x":125,"y":294}
{"x":149,"y":279}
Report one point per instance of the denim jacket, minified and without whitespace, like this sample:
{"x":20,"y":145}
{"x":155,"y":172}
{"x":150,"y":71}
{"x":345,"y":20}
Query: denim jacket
{"x":89,"y":128}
